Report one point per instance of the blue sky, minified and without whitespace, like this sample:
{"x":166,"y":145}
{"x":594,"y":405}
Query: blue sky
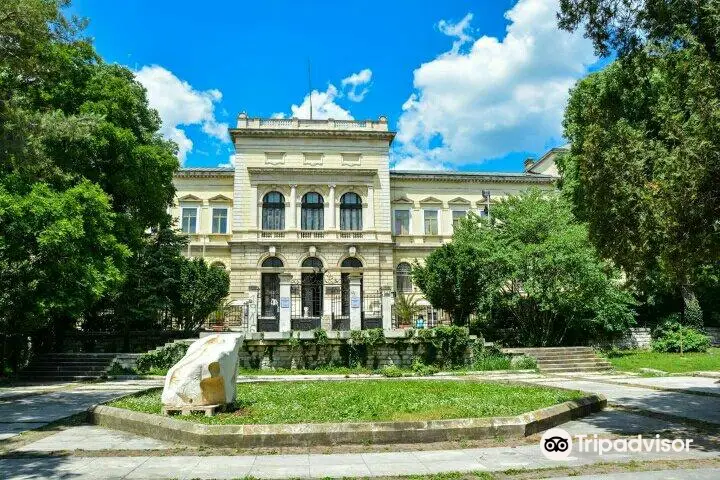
{"x":467,"y":85}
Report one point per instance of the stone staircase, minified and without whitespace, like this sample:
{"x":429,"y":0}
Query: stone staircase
{"x":67,"y":367}
{"x":559,"y":360}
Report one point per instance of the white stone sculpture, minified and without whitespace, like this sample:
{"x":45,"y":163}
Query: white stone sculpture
{"x":206,"y":375}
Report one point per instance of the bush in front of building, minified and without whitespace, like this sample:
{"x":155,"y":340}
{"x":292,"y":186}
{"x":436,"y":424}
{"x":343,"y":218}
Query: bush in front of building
{"x":161,"y":359}
{"x":530,"y":275}
{"x":671,"y":336}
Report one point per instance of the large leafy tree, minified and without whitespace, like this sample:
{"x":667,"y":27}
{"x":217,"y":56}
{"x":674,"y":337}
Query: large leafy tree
{"x":66,"y":116}
{"x":69,"y":257}
{"x":624,"y":26}
{"x":645,"y":135}
{"x":72,"y":129}
{"x":459,"y":276}
{"x":531,"y":274}
{"x":644,"y":164}
{"x":557,"y":290}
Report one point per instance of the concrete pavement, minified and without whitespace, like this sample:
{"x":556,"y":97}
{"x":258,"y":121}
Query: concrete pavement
{"x":73,"y":452}
{"x":37,"y":408}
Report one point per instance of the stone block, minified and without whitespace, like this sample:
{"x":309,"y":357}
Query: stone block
{"x":206,"y":375}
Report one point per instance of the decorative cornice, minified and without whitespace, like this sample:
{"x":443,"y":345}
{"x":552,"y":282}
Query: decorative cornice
{"x":205,"y":172}
{"x":475,"y":177}
{"x":286,"y":132}
{"x":341,"y":172}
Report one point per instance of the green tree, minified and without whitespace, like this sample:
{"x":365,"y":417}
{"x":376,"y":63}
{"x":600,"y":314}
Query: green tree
{"x":624,"y":26}
{"x":459,"y":276}
{"x":644,"y":164}
{"x":153,"y":279}
{"x":58,"y":255}
{"x":557,"y":289}
{"x":201,"y":291}
{"x":66,"y":116}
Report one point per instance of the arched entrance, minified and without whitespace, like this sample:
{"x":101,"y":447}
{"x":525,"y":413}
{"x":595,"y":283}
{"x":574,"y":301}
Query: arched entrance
{"x":269,"y":317}
{"x":308,"y":308}
{"x":350,"y":262}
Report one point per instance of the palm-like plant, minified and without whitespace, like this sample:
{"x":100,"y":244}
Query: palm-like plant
{"x":406,"y":308}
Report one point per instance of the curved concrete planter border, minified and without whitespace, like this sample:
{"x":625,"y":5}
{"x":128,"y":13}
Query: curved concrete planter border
{"x":311,"y":434}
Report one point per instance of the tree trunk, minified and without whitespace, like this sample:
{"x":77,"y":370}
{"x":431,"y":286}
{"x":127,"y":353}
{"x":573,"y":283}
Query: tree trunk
{"x":691,"y":314}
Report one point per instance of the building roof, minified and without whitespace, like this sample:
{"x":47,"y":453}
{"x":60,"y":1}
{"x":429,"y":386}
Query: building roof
{"x":508,"y":177}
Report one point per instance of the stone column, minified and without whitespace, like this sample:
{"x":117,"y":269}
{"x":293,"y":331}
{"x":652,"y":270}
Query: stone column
{"x":355,"y":302}
{"x":369,"y":224}
{"x":331,"y":209}
{"x":285,"y":280}
{"x":387,"y":303}
{"x":292,"y":223}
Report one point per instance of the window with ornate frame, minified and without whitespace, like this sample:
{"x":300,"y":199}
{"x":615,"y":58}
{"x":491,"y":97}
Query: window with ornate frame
{"x":350,"y":211}
{"x":403,"y":277}
{"x":312,"y":212}
{"x":188,"y":220}
{"x":273,"y":211}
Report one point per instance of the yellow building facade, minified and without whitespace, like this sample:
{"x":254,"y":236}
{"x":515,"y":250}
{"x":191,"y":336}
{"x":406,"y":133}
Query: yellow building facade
{"x":317,"y":231}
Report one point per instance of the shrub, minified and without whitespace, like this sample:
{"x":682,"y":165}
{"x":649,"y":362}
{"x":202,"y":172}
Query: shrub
{"x":491,"y":360}
{"x":162,"y":358}
{"x":423,"y":370}
{"x":673,"y":337}
{"x":392,"y":371}
{"x":446,"y":346}
{"x":523,"y":362}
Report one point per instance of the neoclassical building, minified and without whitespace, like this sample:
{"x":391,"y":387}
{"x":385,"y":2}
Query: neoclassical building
{"x":314,"y":227}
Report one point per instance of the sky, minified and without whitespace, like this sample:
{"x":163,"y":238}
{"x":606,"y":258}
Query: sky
{"x":467,"y":85}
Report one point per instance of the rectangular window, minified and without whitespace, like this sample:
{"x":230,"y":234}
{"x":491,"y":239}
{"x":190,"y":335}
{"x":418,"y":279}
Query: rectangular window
{"x":189,"y":220}
{"x":457,"y":216}
{"x":219,"y":220}
{"x":402,"y":222}
{"x":431,"y":222}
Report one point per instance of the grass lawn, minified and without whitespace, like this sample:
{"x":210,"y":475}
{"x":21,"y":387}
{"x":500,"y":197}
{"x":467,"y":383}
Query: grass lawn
{"x":369,"y":400}
{"x":633,"y":360}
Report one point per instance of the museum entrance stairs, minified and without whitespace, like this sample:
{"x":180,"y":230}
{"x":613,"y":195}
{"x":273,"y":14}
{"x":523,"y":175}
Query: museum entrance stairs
{"x":559,"y":360}
{"x":68,"y":367}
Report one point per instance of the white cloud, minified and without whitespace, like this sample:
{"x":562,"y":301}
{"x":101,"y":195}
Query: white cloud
{"x":323,"y":106}
{"x":179,"y":104}
{"x":487,"y":97}
{"x":229,"y":163}
{"x":355,"y":82}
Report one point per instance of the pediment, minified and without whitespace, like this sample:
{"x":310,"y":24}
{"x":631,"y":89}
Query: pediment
{"x":459,"y":201}
{"x":221,"y":198}
{"x":402,"y":199}
{"x":431,"y":200}
{"x":190,"y":198}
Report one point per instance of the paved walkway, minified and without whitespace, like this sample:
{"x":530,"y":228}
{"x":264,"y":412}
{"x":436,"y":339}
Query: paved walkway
{"x":45,"y":459}
{"x":36,"y":409}
{"x":684,"y":405}
{"x":308,"y":465}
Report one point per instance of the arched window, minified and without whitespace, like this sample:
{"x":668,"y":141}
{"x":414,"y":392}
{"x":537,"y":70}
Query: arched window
{"x":274,"y":262}
{"x":312,"y":262}
{"x":351,"y":262}
{"x":350,"y":212}
{"x":273,"y":211}
{"x":403,"y":277}
{"x":312,"y":212}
